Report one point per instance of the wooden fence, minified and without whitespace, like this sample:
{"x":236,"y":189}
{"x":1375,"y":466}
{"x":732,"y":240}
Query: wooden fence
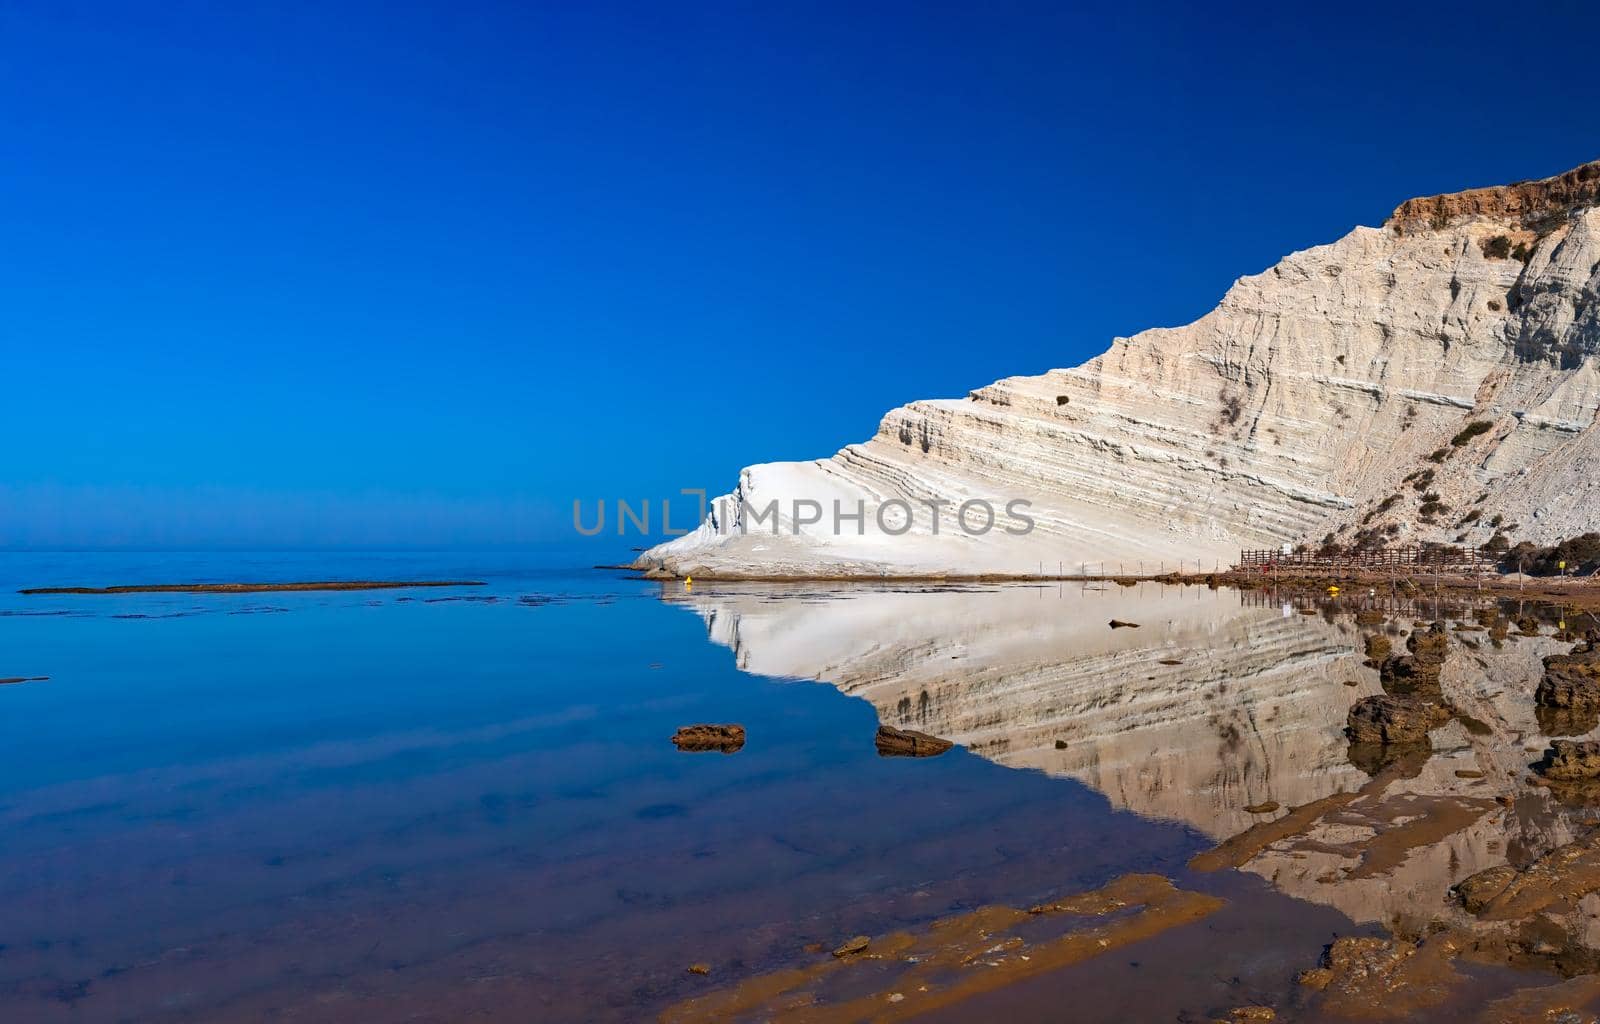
{"x":1400,"y":561}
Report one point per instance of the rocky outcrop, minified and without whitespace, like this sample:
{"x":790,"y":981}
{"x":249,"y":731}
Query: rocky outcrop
{"x":1571,"y":761}
{"x":1571,"y":681}
{"x":1383,"y":719}
{"x":1382,"y":979}
{"x":1433,"y":379}
{"x":1566,"y":874}
{"x":1524,"y":203}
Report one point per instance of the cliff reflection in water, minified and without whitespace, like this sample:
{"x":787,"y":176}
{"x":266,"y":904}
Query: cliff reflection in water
{"x":1223,"y":710}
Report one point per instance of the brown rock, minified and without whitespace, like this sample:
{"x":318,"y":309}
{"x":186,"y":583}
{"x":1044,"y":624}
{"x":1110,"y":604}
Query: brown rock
{"x":699,"y":968}
{"x":1570,"y":761}
{"x":1476,"y":891}
{"x":894,"y":742}
{"x":1394,"y":720}
{"x":1263,"y":808}
{"x":1372,"y":977}
{"x":727,"y":739}
{"x":853,"y":946}
{"x":1061,"y":744}
{"x":1561,"y":877}
{"x":1316,"y":978}
{"x":1119,"y":624}
{"x":1529,"y":203}
{"x":1571,"y":681}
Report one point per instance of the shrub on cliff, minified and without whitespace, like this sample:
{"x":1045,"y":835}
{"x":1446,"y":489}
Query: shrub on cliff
{"x":1582,"y":555}
{"x":1470,"y":431}
{"x":1496,"y":248}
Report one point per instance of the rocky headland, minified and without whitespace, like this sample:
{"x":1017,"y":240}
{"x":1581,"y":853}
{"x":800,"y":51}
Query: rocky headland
{"x":1433,"y":379}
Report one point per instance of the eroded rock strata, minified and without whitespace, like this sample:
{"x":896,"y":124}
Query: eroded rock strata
{"x":1453,"y":348}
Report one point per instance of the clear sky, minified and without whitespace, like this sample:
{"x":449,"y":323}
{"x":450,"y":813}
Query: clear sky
{"x":421,"y":274}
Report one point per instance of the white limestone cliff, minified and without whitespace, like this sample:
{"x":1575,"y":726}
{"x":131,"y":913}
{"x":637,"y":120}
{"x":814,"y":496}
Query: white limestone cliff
{"x":1296,"y":408}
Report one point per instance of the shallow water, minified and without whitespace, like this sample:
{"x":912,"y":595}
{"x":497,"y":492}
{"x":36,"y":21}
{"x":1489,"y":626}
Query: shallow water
{"x":435,"y":805}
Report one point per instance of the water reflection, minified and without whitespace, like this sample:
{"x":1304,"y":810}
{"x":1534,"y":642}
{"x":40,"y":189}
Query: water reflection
{"x":1227,"y":711}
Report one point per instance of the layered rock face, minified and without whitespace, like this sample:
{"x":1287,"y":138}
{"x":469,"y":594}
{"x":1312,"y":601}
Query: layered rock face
{"x":1297,"y":408}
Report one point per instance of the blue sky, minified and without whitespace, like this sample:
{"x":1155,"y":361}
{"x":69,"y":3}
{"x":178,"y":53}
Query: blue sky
{"x":422,"y":274}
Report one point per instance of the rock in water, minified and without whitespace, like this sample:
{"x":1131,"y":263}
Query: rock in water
{"x":727,"y":739}
{"x":1571,"y":681}
{"x":1185,"y":445}
{"x":1394,"y":720}
{"x":894,"y":742}
{"x":1570,"y":761}
{"x":853,"y":946}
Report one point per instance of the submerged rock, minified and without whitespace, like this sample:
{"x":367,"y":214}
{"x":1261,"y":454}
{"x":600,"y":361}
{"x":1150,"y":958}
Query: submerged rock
{"x":1385,"y":978}
{"x":727,"y":739}
{"x":1570,"y":761}
{"x":853,"y":946}
{"x":1384,"y":719}
{"x":892,"y":742}
{"x":1560,"y":878}
{"x":1477,"y":891}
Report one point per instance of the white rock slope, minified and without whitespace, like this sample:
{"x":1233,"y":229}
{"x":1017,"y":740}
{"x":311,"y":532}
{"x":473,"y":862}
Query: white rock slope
{"x":1296,"y":408}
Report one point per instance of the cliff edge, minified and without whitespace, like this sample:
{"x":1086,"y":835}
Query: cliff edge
{"x":1436,"y":379}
